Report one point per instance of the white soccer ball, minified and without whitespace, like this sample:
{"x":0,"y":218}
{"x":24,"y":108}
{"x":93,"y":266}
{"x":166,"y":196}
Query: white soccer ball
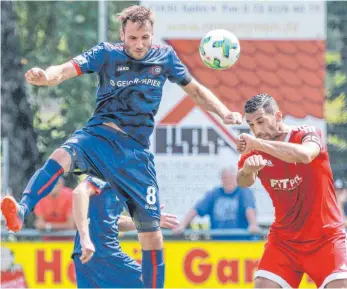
{"x":219,"y":49}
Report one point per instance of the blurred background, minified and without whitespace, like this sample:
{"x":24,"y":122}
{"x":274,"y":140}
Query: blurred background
{"x":295,"y":51}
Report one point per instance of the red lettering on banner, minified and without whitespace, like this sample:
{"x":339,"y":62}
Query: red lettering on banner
{"x":43,"y":266}
{"x":204,"y":269}
{"x":250,"y":267}
{"x":71,"y":272}
{"x":228,"y":271}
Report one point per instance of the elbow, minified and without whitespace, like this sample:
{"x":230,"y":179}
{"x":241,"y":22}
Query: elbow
{"x":306,"y":158}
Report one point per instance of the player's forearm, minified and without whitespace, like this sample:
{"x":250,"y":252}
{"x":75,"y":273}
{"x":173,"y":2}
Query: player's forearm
{"x":206,"y":99}
{"x":58,"y":73}
{"x":80,"y":212}
{"x":251,"y":217}
{"x":245,"y":179}
{"x":188,"y":218}
{"x":288,"y":152}
{"x":126,"y":224}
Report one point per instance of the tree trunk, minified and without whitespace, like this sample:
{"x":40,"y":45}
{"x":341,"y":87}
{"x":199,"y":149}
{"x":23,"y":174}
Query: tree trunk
{"x":17,"y":115}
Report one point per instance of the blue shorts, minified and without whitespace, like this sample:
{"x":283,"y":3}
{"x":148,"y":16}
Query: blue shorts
{"x":125,"y":164}
{"x":108,"y":272}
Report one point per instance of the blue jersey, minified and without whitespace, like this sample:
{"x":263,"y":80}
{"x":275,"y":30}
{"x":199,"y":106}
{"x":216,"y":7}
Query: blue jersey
{"x":226,"y":210}
{"x":130,"y":90}
{"x":103,"y":215}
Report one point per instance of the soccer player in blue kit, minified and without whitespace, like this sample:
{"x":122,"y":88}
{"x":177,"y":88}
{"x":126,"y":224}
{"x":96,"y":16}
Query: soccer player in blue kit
{"x":113,"y":146}
{"x":99,"y":261}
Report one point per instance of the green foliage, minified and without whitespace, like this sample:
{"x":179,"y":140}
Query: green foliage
{"x":336,"y":104}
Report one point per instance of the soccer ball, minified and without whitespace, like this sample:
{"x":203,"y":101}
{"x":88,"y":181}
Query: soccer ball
{"x":219,"y":49}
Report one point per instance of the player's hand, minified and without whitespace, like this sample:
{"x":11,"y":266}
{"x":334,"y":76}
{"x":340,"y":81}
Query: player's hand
{"x":254,"y":164}
{"x":168,"y":221}
{"x":88,"y":250}
{"x":36,"y":76}
{"x":254,"y":229}
{"x":246,"y":143}
{"x":178,"y":230}
{"x":233,"y":118}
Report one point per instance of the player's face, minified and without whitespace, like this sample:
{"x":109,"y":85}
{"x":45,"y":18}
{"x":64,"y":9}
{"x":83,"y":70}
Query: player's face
{"x":264,"y":125}
{"x":137,"y":39}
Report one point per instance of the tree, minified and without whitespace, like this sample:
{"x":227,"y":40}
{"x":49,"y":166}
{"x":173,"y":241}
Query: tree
{"x":337,"y":86}
{"x":17,"y":114}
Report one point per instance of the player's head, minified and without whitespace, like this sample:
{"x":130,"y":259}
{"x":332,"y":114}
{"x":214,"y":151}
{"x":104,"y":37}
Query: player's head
{"x":228,"y":177}
{"x":136,"y":30}
{"x":263,"y":116}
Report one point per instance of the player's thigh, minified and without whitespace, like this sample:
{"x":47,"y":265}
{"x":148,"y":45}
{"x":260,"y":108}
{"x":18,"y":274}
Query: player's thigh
{"x":327,"y":262}
{"x":136,"y":180}
{"x":92,"y":154}
{"x":261,"y":282}
{"x":279,"y":265}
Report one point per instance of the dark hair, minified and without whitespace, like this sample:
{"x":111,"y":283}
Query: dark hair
{"x":263,"y":100}
{"x":137,"y":14}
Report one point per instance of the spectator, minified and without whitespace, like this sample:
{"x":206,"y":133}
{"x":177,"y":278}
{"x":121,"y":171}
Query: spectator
{"x":54,"y":212}
{"x":229,"y":207}
{"x":341,"y":195}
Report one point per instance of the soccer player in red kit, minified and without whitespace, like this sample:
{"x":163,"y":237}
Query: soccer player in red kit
{"x":292,"y":164}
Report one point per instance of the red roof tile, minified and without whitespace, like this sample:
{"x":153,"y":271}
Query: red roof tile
{"x":291,"y":71}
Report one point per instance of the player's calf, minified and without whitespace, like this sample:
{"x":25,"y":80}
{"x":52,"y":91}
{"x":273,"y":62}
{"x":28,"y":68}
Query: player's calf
{"x":153,"y":267}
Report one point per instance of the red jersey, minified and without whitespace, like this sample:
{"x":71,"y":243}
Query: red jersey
{"x":56,"y":209}
{"x":303,"y":194}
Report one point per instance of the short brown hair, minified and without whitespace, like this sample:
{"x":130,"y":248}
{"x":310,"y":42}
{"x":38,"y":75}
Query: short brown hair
{"x":137,"y":14}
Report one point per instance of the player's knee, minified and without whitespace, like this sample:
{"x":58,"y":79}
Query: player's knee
{"x":340,"y":283}
{"x":261,"y":282}
{"x":151,"y":240}
{"x":63,"y":158}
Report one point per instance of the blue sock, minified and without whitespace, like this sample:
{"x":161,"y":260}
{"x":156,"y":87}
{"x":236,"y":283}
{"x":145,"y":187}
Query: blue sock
{"x":40,"y":185}
{"x":153,"y":268}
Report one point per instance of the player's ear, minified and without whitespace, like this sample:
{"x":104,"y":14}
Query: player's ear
{"x":121,"y":33}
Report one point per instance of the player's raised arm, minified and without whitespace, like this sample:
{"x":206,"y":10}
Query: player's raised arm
{"x":52,"y":76}
{"x":288,"y":152}
{"x":206,"y":99}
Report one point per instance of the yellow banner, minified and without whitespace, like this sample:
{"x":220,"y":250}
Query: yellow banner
{"x":188,"y":264}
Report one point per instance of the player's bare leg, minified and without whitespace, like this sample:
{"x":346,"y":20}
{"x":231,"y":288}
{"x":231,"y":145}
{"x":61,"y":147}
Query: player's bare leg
{"x":261,"y":282}
{"x":39,"y":186}
{"x":153,"y":268}
{"x":341,"y":283}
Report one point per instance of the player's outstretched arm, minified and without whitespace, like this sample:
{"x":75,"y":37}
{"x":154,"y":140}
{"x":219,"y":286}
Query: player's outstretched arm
{"x":52,"y":76}
{"x":206,"y":99}
{"x":81,"y":195}
{"x":288,"y":152}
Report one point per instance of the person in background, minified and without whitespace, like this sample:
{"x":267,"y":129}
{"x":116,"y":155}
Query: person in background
{"x":54,"y":212}
{"x":228,"y":206}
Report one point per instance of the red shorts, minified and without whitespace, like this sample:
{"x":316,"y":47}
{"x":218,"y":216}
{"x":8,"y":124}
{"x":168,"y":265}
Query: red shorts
{"x":285,"y":262}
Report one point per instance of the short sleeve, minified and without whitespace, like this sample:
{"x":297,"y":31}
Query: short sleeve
{"x":204,"y":205}
{"x":178,"y":73}
{"x":312,"y":134}
{"x":96,"y":184}
{"x":90,"y":61}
